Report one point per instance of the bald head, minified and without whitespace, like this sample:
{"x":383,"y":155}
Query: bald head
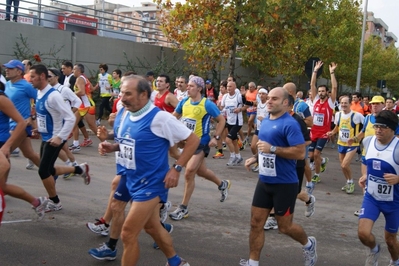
{"x":291,"y":88}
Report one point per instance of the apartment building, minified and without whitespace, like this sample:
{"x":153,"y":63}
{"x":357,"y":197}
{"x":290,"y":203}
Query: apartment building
{"x":377,"y":27}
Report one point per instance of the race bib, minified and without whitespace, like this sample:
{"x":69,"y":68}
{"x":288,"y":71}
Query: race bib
{"x":318,"y":119}
{"x":344,"y":134}
{"x":190,"y":123}
{"x":41,"y":123}
{"x":125,"y":156}
{"x":379,"y":189}
{"x":267,"y":164}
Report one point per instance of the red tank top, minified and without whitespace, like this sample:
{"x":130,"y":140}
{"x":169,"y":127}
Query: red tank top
{"x":160,"y":103}
{"x":322,"y":117}
{"x":210,"y":95}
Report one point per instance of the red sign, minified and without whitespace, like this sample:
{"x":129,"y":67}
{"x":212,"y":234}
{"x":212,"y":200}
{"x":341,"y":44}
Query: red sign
{"x":81,"y":22}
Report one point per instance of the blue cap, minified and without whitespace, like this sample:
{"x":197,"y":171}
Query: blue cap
{"x":15,"y":64}
{"x":208,"y":81}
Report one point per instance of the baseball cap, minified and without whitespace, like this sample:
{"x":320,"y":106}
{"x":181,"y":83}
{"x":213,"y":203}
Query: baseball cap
{"x":15,"y":64}
{"x":55,"y":71}
{"x":377,"y":99}
{"x":149,"y":73}
{"x":208,"y":81}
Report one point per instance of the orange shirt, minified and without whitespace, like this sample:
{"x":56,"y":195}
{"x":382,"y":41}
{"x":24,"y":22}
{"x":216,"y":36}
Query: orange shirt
{"x":358,"y":107}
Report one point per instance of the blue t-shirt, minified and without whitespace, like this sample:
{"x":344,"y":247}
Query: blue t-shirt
{"x":21,"y":93}
{"x":281,"y":132}
{"x":4,"y":125}
{"x":197,"y":116}
{"x":371,"y":119}
{"x":301,"y":108}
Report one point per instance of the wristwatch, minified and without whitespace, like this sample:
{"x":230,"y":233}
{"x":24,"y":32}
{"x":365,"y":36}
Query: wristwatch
{"x":217,"y":137}
{"x":177,"y":167}
{"x":273,"y":149}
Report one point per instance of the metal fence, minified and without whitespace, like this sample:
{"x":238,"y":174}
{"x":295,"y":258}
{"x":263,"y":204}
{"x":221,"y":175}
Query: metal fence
{"x":106,"y":19}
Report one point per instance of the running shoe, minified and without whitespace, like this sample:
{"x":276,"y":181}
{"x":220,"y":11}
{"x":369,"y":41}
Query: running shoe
{"x":391,"y":263}
{"x":271,"y":223}
{"x":310,"y":188}
{"x":67,"y":176}
{"x":244,"y":262}
{"x":218,"y":155}
{"x":52,"y":207}
{"x":86,"y":143}
{"x":240,"y":145}
{"x":357,"y":213}
{"x":311,"y":165}
{"x":344,"y":188}
{"x":310,"y":207}
{"x":239,"y":160}
{"x":255,"y":168}
{"x":224,"y":145}
{"x":103,"y":253}
{"x":232,"y":161}
{"x":224,"y":190}
{"x":169,"y":228}
{"x":74,"y":149}
{"x":182,"y":263}
{"x":180,"y":213}
{"x":98,"y":122}
{"x":15,"y":153}
{"x":99,"y":227}
{"x":316,"y":179}
{"x":350,"y":188}
{"x":30,"y":165}
{"x":245,"y":142}
{"x":85,"y":175}
{"x":310,"y":254}
{"x":372,"y":258}
{"x":163,"y":212}
{"x":323,"y":165}
{"x":41,"y":207}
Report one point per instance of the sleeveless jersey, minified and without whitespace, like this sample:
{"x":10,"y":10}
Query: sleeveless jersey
{"x":210,"y":94}
{"x":43,"y":117}
{"x":4,"y":124}
{"x":230,"y":103}
{"x":348,"y":128}
{"x":251,"y":97}
{"x":261,"y":111}
{"x":322,"y":117}
{"x":143,"y":154}
{"x":378,"y":163}
{"x":105,"y":81}
{"x":196,"y":118}
{"x":180,"y":95}
{"x":120,"y":117}
{"x":87,"y":101}
{"x":160,"y":103}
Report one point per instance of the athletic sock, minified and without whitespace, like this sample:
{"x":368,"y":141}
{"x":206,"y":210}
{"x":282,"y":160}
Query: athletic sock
{"x":253,"y":262}
{"x":174,"y":261}
{"x":112,"y":243}
{"x":76,"y":143}
{"x":308,"y":245}
{"x":78,"y":170}
{"x":375,"y":249}
{"x":55,"y":199}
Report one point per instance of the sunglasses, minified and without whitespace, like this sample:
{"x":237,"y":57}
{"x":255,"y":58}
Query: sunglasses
{"x":380,"y":126}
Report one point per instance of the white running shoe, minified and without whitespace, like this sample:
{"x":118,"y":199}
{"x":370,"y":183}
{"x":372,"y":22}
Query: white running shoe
{"x":163,"y":212}
{"x":40,"y":209}
{"x":271,"y":223}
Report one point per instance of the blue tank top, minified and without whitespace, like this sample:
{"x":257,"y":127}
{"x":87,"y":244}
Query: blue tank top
{"x":120,"y":169}
{"x":43,"y":117}
{"x":4,"y":124}
{"x":143,"y":154}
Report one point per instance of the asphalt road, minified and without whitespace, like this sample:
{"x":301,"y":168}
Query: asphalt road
{"x":215,"y":233}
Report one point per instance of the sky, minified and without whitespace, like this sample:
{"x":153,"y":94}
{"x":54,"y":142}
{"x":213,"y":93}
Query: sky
{"x":383,"y":9}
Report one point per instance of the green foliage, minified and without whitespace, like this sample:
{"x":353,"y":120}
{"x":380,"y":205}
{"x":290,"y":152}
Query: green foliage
{"x":23,"y":50}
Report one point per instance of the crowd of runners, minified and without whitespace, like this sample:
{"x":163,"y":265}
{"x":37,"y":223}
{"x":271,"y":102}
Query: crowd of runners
{"x":154,"y":118}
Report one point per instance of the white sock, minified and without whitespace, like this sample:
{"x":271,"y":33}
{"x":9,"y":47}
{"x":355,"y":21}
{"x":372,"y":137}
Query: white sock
{"x":232,"y":155}
{"x":375,"y":249}
{"x":308,"y":245}
{"x":350,"y":181}
{"x":76,"y":143}
{"x":67,"y":162}
{"x":323,"y":160}
{"x":238,"y":155}
{"x":253,"y":262}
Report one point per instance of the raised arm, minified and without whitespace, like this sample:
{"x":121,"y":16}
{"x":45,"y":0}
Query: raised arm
{"x":313,"y":88}
{"x":334,"y":84}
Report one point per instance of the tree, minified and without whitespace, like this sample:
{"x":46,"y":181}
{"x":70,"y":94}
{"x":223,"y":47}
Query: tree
{"x":276,"y":36}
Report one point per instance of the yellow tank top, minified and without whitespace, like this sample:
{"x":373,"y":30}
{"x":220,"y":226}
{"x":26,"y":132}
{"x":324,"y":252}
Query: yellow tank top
{"x":347,"y":130}
{"x":193,"y":117}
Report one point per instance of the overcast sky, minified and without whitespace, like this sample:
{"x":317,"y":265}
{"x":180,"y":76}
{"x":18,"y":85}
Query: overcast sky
{"x":387,"y":10}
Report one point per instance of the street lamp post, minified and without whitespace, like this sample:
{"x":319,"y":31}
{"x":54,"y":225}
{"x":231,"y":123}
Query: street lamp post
{"x":359,"y":69}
